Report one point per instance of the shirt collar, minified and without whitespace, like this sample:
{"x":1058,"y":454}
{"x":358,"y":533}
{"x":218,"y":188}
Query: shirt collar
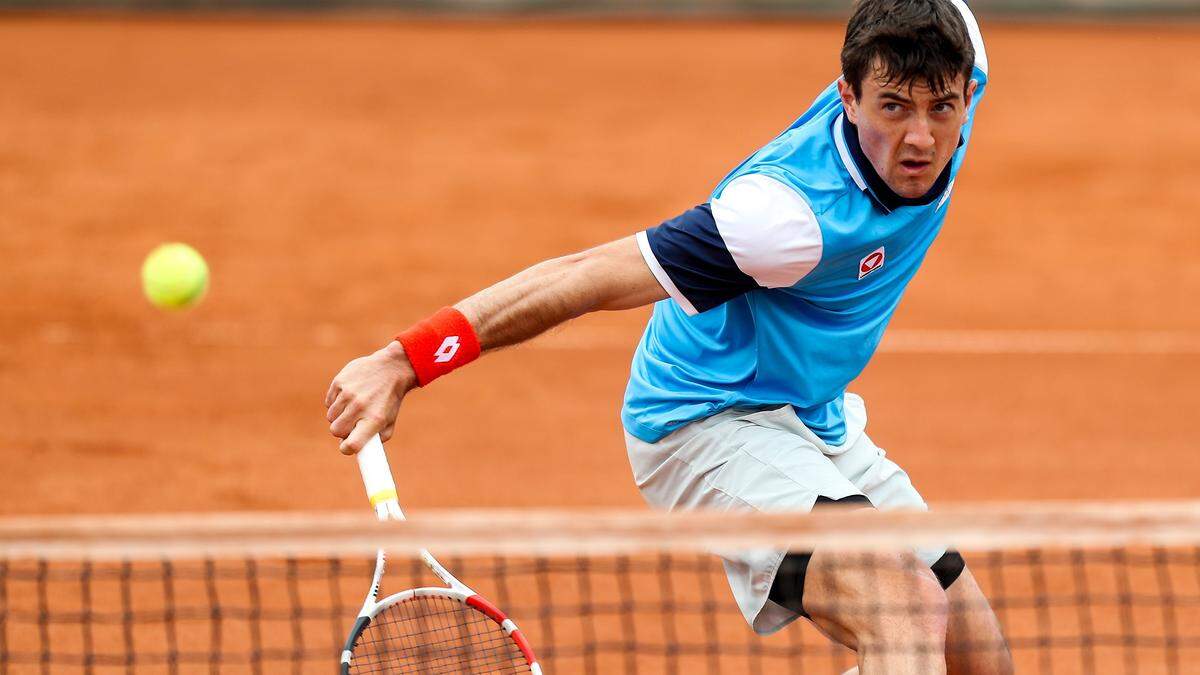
{"x":845,"y":137}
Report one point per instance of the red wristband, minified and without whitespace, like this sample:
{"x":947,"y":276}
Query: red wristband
{"x":439,"y":344}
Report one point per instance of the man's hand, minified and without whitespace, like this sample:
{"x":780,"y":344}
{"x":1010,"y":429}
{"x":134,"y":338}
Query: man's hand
{"x":364,"y":398}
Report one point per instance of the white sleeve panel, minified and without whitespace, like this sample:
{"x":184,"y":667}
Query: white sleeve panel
{"x":768,"y":228}
{"x":976,"y":36}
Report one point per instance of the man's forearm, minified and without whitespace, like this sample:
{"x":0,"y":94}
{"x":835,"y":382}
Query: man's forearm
{"x":526,"y":304}
{"x":608,"y":277}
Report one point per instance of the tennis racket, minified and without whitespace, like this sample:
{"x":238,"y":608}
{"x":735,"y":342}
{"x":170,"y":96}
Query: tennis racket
{"x":427,"y":630}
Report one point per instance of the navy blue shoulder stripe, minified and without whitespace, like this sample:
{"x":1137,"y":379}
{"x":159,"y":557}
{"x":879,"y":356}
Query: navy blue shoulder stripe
{"x":691,"y":251}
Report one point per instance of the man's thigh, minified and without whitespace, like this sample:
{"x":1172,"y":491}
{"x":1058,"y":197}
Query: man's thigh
{"x":889,"y":607}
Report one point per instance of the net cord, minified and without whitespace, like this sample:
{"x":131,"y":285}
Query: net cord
{"x":595,"y":532}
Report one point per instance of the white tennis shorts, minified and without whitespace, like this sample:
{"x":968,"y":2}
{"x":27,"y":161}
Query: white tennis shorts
{"x":767,"y":460}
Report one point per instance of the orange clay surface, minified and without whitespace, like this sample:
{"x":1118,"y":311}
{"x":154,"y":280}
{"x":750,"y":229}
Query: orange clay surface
{"x":345,"y":178}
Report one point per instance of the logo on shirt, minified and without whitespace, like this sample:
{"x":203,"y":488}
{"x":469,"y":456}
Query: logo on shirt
{"x":872,"y":262}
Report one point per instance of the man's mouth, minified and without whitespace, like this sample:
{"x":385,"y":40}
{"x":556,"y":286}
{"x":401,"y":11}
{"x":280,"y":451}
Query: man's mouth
{"x":913,"y":167}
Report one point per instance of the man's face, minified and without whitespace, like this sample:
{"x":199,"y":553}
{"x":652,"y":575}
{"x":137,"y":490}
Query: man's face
{"x":908,"y":133}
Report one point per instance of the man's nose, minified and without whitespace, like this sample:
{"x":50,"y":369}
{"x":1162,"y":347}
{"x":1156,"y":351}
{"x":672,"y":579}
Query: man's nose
{"x":919,"y":135}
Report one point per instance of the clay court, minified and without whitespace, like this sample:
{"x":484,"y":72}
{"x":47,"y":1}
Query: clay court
{"x":347,"y":177}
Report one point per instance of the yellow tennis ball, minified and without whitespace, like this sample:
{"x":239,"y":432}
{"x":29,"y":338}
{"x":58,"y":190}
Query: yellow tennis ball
{"x":174,"y":276}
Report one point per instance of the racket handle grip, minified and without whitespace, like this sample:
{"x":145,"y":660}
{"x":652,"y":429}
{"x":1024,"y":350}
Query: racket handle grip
{"x":377,"y":478}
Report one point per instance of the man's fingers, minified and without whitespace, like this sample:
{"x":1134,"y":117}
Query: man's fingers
{"x":336,"y":408}
{"x":344,"y":424}
{"x":386,"y":434}
{"x":332,"y":393}
{"x":358,"y":438}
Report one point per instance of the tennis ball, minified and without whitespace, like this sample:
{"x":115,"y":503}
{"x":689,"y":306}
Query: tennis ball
{"x":174,"y":276}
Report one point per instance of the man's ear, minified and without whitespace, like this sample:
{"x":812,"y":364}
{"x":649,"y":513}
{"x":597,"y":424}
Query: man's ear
{"x":849,"y":100}
{"x":970,"y":93}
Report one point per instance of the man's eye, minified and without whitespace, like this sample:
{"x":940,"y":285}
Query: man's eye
{"x":891,"y":107}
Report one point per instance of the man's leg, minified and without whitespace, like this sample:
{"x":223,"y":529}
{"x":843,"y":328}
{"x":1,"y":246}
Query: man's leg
{"x":890,"y":608}
{"x":974,"y":643}
{"x":767,"y":460}
{"x":742,"y":460}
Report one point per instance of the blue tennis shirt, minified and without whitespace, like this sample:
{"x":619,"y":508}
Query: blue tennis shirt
{"x":782,"y":284}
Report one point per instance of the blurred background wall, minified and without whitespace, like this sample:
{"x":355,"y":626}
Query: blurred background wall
{"x":1041,"y":8}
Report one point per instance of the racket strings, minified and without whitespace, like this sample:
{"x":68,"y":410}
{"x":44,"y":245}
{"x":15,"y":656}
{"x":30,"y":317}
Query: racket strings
{"x":433,"y":635}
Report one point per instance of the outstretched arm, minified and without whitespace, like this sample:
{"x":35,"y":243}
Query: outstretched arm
{"x":609,"y":277}
{"x":365,"y":396}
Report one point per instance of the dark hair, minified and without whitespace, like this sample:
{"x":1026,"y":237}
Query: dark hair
{"x":912,"y":41}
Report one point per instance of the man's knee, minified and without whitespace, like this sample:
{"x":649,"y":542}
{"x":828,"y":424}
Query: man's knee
{"x":910,"y":599}
{"x":876,"y":598}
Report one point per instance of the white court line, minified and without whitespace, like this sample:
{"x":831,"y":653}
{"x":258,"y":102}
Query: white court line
{"x":230,"y":334}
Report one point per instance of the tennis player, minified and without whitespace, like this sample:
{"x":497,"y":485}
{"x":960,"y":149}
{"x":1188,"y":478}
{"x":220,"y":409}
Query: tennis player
{"x":771,"y":298}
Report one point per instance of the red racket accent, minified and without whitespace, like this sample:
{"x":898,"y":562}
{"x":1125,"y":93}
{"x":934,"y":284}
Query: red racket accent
{"x":481,"y":604}
{"x":493,"y":612}
{"x":523,"y":644}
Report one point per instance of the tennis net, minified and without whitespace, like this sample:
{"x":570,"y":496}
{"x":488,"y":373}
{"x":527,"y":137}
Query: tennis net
{"x":1077,"y":588}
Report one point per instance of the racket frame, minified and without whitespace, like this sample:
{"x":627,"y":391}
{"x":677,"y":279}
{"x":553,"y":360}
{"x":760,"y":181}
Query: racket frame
{"x":381,"y":491}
